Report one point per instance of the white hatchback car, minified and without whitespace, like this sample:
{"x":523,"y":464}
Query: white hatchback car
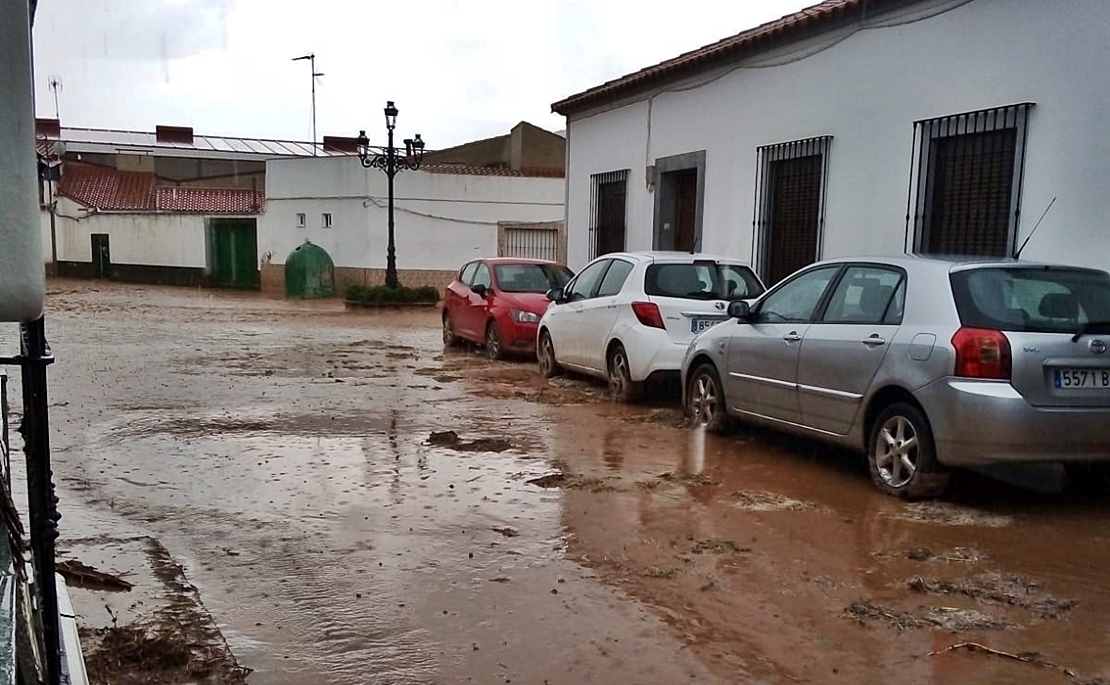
{"x":628,"y":317}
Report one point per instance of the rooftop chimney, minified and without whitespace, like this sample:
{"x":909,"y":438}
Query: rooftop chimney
{"x":340,"y":144}
{"x":174,"y":134}
{"x":48,"y":128}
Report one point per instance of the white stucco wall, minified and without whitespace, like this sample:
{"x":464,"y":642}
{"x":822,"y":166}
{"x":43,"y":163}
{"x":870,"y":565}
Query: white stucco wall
{"x":866,"y":91}
{"x":441,"y":220}
{"x":144,"y":239}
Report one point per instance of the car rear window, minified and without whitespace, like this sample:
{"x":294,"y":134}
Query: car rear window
{"x":702,"y":281}
{"x":531,"y":278}
{"x":1024,"y":299}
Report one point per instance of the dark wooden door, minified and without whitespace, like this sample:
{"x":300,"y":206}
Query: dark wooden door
{"x":101,"y":256}
{"x":686,"y":208}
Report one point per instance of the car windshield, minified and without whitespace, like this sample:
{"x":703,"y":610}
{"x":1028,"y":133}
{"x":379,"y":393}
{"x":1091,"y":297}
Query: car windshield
{"x":1024,"y":299}
{"x":702,"y":281}
{"x":531,"y":278}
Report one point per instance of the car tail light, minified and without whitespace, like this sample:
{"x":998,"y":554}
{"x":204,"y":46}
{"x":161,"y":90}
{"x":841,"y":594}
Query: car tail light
{"x":982,"y":353}
{"x":648,"y":314}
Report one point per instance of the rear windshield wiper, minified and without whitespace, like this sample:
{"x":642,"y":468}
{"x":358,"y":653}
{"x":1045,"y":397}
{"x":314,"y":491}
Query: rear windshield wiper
{"x":1091,"y":327}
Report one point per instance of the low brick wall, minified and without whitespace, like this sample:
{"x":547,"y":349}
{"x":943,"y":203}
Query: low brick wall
{"x":273,"y":278}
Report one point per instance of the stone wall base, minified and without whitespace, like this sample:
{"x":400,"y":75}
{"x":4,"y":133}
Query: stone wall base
{"x":273,"y":278}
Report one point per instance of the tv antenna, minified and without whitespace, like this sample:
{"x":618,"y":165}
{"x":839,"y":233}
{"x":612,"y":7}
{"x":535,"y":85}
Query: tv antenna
{"x":311,"y":57}
{"x":56,"y":86}
{"x":1017,"y":255}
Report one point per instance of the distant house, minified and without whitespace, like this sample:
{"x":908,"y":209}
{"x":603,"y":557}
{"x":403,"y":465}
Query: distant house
{"x":498,"y":196}
{"x":167,"y":206}
{"x":856,"y":127}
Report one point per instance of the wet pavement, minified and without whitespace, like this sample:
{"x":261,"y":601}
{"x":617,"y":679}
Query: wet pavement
{"x":282,"y":457}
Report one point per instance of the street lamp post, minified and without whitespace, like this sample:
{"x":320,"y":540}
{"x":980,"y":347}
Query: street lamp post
{"x":391,"y":162}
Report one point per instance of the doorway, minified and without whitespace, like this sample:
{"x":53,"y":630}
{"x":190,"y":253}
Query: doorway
{"x":679,"y":195}
{"x":234,"y":253}
{"x":101,"y":256}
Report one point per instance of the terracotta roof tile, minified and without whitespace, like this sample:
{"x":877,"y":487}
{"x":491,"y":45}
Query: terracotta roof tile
{"x":132,"y":191}
{"x":751,"y":41}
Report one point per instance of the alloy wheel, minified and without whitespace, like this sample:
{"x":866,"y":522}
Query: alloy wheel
{"x":896,"y":451}
{"x":703,"y":400}
{"x":493,"y":343}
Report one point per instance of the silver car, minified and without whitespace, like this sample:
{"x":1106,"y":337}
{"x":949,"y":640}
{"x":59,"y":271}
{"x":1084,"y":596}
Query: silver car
{"x":924,"y":364}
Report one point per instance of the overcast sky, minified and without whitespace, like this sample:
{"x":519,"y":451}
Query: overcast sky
{"x":458,"y":70}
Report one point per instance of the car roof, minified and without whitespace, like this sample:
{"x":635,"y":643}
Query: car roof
{"x":947,"y":262}
{"x":674,"y":255}
{"x":515,"y":260}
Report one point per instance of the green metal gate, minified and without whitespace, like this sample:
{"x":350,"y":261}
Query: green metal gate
{"x":234,"y":247}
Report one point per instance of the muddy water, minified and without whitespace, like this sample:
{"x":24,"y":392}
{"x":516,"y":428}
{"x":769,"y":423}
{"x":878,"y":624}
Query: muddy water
{"x":278,"y":451}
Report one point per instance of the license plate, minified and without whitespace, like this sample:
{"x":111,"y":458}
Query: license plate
{"x":1081,"y":379}
{"x":699,"y":325}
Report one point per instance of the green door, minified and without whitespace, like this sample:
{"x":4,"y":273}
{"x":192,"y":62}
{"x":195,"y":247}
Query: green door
{"x":235,"y":253}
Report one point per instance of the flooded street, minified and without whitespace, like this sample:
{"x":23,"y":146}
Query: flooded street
{"x":291,"y":463}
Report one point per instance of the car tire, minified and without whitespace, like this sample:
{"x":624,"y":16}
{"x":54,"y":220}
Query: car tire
{"x":621,"y":385}
{"x":705,"y":400}
{"x":1088,"y":479}
{"x":545,"y":355}
{"x":493,"y":343}
{"x":901,"y":441}
{"x":449,"y":337}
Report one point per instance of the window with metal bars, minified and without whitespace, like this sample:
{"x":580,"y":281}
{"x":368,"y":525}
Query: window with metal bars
{"x":966,"y":182}
{"x":608,"y":203}
{"x":789,"y":206}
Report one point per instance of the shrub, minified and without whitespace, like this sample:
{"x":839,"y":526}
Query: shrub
{"x":382,"y":294}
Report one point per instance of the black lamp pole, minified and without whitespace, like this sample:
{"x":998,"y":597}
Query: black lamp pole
{"x":391,"y":163}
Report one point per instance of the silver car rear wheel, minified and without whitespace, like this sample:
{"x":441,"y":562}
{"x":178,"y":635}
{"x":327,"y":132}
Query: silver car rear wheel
{"x":902,"y":455}
{"x":705,"y":400}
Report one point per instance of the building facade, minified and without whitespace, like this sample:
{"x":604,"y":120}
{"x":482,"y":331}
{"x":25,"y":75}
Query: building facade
{"x":167,"y":206}
{"x":856,"y":127}
{"x":444,"y":215}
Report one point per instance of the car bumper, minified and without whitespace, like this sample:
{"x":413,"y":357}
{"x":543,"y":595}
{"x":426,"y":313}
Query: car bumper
{"x":518,"y":337}
{"x":653,"y":355}
{"x":987,"y":422}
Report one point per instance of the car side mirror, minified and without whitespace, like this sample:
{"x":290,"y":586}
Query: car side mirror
{"x":739,"y":310}
{"x":555,"y":295}
{"x":479,"y":290}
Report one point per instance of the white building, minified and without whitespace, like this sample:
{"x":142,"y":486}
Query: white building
{"x":444,"y":215}
{"x":856,"y":127}
{"x":164,"y":206}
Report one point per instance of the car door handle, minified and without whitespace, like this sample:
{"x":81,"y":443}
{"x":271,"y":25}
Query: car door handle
{"x":792,"y":336}
{"x":873,"y":341}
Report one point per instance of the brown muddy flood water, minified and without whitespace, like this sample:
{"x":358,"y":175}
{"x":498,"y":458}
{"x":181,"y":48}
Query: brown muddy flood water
{"x":279,"y":453}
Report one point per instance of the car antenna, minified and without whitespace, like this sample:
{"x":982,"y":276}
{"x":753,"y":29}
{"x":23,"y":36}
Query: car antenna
{"x":1017,"y":255}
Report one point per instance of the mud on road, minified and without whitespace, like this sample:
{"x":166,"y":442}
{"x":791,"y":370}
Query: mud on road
{"x":354,"y":504}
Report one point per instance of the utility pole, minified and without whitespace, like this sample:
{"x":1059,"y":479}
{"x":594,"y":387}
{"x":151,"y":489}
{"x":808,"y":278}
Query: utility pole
{"x":311,"y":57}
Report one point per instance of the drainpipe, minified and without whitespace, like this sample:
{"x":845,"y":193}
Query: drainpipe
{"x":22,"y":276}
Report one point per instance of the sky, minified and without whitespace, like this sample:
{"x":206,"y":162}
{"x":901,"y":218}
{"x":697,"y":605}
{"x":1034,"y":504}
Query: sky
{"x":458,"y":70}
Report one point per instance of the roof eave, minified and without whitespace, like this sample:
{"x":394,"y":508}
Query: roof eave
{"x":806,"y":25}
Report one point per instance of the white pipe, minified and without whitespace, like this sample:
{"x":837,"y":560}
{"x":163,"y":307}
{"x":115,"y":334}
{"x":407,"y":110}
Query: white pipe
{"x":22,"y":271}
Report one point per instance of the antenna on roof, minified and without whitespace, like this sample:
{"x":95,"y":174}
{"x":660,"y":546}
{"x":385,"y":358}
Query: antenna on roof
{"x":1017,"y":255}
{"x":56,"y":85}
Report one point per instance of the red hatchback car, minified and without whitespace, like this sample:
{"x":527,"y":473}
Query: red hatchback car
{"x":498,"y":302}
